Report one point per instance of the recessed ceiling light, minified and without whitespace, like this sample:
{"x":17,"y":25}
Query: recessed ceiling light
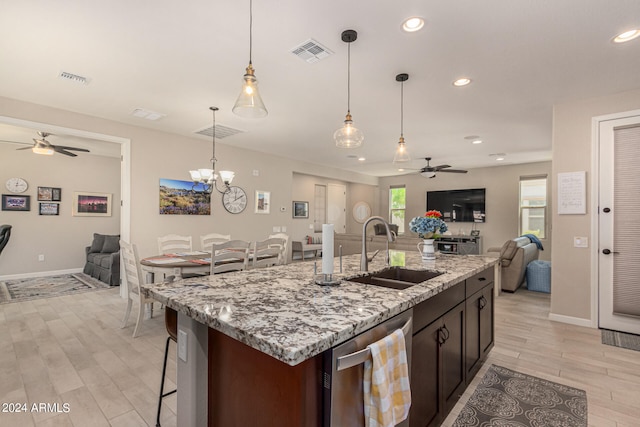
{"x":413,"y":24}
{"x":627,"y":36}
{"x":400,"y":170}
{"x":499,"y":159}
{"x":463,"y":81}
{"x":476,"y":141}
{"x":362,"y":159}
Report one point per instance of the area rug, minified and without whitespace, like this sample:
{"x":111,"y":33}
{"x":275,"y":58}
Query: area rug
{"x":509,"y":398}
{"x":621,"y":339}
{"x":47,"y":287}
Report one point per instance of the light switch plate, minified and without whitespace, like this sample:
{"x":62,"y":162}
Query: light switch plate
{"x":581,"y":242}
{"x":283,"y":228}
{"x":276,"y":229}
{"x":182,"y":345}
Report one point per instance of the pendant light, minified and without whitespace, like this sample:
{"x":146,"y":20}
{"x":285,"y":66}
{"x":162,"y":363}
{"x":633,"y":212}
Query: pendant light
{"x":209,"y":177}
{"x":348,"y":136}
{"x":402,"y":155}
{"x":249,"y":103}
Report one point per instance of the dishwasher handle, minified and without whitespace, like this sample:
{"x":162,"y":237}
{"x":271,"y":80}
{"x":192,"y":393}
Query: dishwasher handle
{"x":361,"y":356}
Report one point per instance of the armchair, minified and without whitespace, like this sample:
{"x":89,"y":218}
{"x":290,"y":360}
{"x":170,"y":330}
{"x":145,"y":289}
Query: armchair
{"x":103,"y":259}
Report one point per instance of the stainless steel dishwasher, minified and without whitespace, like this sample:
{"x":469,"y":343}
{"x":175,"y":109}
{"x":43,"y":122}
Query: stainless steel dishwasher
{"x":343,"y":372}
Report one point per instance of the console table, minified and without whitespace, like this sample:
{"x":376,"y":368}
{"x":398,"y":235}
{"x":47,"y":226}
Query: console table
{"x":459,"y":245}
{"x":305,"y":247}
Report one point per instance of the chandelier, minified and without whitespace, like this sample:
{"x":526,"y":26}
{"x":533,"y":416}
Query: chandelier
{"x":208,"y":178}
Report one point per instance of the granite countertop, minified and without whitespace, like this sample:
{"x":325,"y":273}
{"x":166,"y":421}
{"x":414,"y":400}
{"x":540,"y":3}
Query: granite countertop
{"x":283,"y":313}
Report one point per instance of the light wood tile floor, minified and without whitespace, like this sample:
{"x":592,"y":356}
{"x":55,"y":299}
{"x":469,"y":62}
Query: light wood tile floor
{"x":71,"y":350}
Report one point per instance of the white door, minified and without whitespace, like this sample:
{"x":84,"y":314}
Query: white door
{"x":337,"y":207}
{"x":619,"y":225}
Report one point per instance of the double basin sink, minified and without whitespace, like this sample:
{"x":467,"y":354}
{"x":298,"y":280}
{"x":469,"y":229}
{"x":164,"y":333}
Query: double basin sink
{"x":396,"y":277}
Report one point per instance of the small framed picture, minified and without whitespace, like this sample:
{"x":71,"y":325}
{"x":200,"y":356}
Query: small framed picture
{"x":49,"y":209}
{"x":56,"y":194}
{"x":475,"y":233}
{"x":46,"y":194}
{"x":263,"y":202}
{"x":300,"y":209}
{"x":91,"y":204}
{"x":11,"y":202}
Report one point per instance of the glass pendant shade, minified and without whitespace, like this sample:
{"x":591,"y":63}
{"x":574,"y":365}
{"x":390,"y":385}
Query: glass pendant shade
{"x":348,"y":136}
{"x":227,"y":176}
{"x":402,"y":155}
{"x":249,"y":103}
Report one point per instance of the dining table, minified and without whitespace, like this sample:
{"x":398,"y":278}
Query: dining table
{"x":176,"y":264}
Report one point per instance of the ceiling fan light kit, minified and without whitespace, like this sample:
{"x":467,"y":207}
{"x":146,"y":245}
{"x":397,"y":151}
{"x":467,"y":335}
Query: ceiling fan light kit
{"x":44,"y":147}
{"x":429,"y":171}
{"x":402,"y":155}
{"x":208,"y":178}
{"x":348,"y":136}
{"x":249,"y":103}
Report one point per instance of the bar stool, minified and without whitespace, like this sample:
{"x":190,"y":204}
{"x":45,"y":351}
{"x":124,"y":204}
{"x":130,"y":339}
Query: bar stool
{"x":171,"y":323}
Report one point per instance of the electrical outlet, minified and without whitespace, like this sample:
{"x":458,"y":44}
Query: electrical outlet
{"x":182,"y":345}
{"x":283,"y":229}
{"x":40,"y":257}
{"x":276,"y":229}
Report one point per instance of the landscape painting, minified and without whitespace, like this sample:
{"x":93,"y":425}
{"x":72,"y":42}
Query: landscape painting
{"x":182,"y":198}
{"x":91,"y":204}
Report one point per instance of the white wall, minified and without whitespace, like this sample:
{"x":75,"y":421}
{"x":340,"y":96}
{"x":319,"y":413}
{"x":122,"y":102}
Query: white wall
{"x":502,"y":192}
{"x":62,"y":238}
{"x":571,"y":281}
{"x":156,"y":155}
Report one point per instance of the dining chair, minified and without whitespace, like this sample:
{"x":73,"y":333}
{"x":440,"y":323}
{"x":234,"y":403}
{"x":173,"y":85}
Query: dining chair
{"x":171,"y":324}
{"x":229,"y":256}
{"x":268,"y":252}
{"x":172,"y":243}
{"x":285,"y":254}
{"x":209,"y":239}
{"x":133,"y":274}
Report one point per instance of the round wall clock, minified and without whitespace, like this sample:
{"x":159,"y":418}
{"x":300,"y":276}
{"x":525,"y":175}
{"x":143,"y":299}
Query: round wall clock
{"x":17,"y":185}
{"x":234,"y":200}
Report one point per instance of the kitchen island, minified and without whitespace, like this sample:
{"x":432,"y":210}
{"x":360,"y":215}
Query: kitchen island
{"x":278,"y":319}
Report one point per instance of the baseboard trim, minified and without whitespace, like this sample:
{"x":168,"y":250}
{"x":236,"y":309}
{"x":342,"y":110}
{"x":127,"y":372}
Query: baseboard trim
{"x":578,"y":321}
{"x":40,"y":274}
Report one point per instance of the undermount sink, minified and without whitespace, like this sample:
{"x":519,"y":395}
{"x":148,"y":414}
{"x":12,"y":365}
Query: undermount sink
{"x":396,"y":277}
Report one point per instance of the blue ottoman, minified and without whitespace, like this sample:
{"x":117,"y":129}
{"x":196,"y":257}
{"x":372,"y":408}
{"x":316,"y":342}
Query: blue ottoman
{"x":539,"y":276}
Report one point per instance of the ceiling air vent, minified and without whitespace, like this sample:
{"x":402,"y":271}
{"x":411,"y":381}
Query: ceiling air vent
{"x":73,"y":78}
{"x":311,"y":51}
{"x":221,"y":131}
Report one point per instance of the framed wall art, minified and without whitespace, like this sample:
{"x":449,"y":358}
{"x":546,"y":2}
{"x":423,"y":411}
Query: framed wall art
{"x":91,"y":204}
{"x":12,"y":202}
{"x":49,"y":208}
{"x":46,"y":194}
{"x":183,"y":198}
{"x":300,"y":209}
{"x":263,"y":202}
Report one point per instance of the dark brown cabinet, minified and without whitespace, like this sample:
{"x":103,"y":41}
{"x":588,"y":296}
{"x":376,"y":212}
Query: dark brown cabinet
{"x":479,"y":321}
{"x":453,"y":333}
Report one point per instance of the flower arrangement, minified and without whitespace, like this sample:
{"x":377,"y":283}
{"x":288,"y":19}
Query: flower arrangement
{"x":429,"y":226}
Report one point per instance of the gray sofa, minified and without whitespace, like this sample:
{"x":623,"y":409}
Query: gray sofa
{"x":515,"y":255}
{"x":103,"y":259}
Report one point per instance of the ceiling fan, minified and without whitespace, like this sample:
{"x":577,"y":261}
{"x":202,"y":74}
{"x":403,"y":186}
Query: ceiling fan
{"x":42,"y":146}
{"x":429,"y":171}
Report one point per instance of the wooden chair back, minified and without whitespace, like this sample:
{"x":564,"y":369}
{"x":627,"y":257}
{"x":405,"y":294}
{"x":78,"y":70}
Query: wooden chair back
{"x":172,"y":243}
{"x":268,"y":252}
{"x":229,"y":256}
{"x":208,"y":240}
{"x":285,"y":254}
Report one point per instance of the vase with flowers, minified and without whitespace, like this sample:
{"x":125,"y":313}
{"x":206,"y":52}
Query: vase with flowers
{"x":428,"y":227}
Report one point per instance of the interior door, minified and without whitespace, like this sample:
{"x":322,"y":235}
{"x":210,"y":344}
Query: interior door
{"x":619,"y":225}
{"x":337,"y":207}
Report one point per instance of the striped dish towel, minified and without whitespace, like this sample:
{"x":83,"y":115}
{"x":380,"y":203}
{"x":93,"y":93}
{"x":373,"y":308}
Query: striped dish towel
{"x":387,"y":396}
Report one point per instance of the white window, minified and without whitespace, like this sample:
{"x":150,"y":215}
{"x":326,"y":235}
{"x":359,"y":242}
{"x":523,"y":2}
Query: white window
{"x":397,"y":207}
{"x":533,"y":206}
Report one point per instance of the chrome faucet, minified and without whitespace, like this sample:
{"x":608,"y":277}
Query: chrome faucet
{"x":364,"y":259}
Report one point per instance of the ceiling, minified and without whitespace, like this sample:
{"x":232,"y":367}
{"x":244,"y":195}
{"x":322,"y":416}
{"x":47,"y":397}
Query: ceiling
{"x":179,"y":58}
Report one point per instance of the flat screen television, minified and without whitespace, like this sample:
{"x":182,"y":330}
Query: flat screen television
{"x":458,"y":205}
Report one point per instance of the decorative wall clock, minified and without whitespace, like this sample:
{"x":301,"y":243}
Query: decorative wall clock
{"x":17,"y":185}
{"x":234,"y":200}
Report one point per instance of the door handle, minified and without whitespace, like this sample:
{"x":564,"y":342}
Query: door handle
{"x":608,"y":251}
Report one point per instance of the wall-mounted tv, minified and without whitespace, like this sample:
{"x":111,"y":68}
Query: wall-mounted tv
{"x":458,"y":205}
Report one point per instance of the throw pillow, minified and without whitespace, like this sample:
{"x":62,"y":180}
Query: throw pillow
{"x":111,"y":244}
{"x":508,"y":251}
{"x":97,"y":244}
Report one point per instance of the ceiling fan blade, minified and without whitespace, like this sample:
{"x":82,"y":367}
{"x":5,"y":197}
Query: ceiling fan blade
{"x":441,"y":167}
{"x":453,"y":170}
{"x":60,"y":150}
{"x":25,"y":148}
{"x":64,"y":147}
